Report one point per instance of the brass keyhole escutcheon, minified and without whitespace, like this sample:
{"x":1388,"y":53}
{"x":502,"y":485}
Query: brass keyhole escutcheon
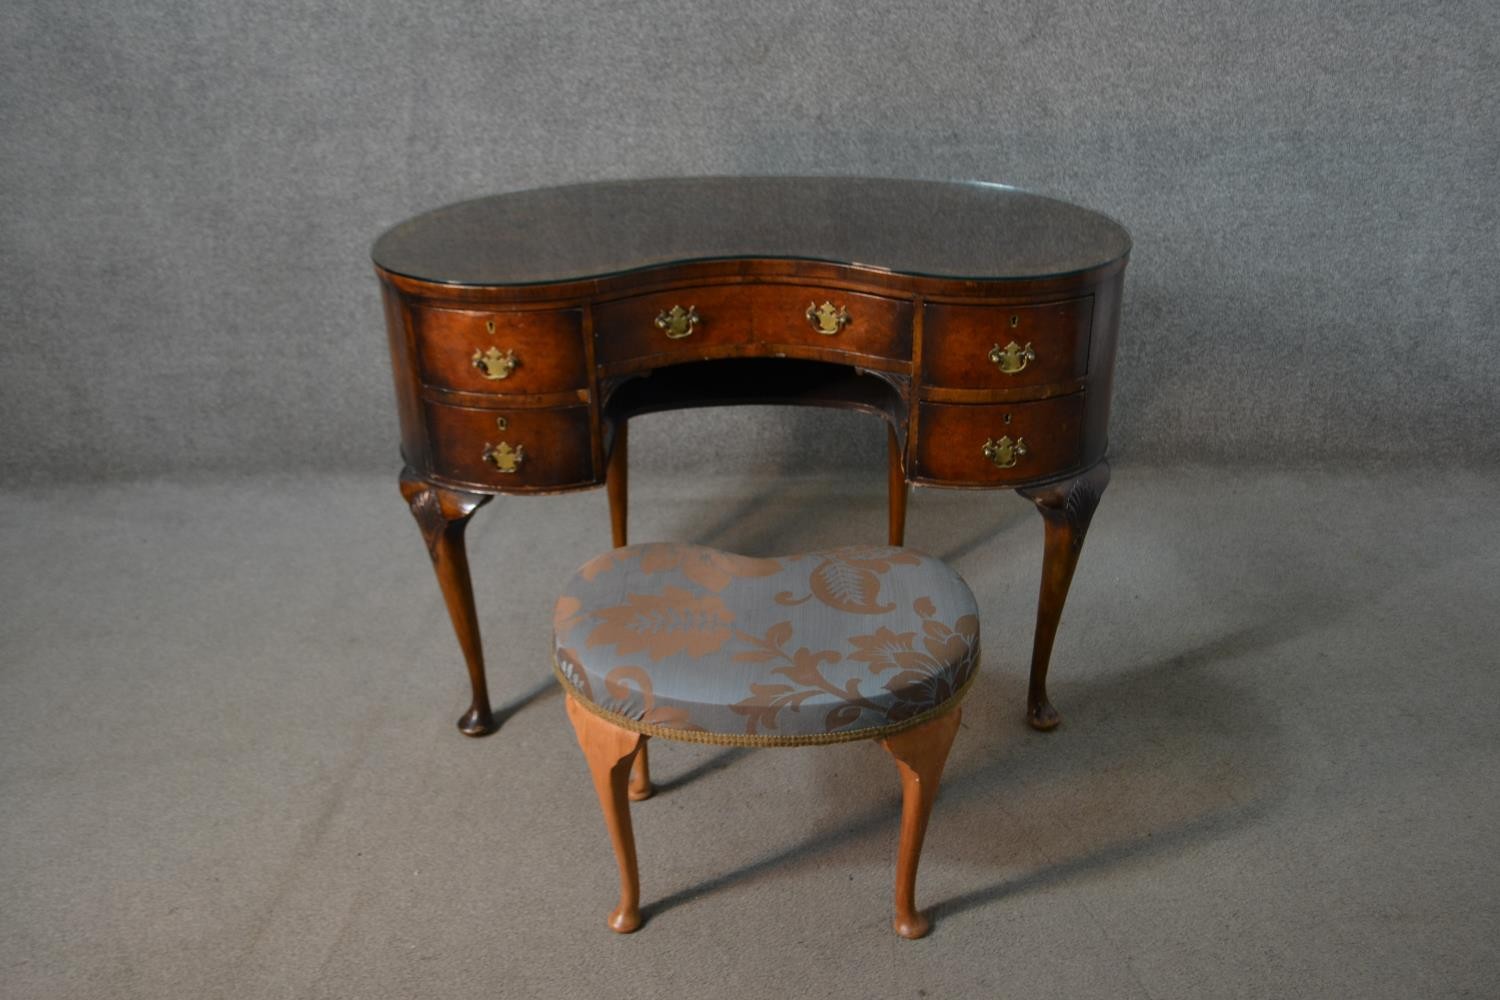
{"x":1015,"y":320}
{"x":495,"y":364}
{"x":1004,"y":453}
{"x":503,"y":423}
{"x":489,"y":326}
{"x":505,"y":458}
{"x":678,"y":322}
{"x":827,"y":319}
{"x":1012,"y":358}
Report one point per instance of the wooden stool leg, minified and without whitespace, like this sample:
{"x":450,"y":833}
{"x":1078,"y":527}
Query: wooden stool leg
{"x":610,"y":751}
{"x":920,"y":753}
{"x":640,"y":777}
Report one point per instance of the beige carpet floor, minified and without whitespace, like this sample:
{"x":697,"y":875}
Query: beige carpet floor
{"x":228,"y":766}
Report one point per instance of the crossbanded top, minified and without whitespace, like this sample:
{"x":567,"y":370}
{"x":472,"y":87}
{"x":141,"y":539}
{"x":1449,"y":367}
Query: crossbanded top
{"x":943,"y":229}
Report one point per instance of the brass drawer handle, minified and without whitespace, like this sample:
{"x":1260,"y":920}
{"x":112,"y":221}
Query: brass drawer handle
{"x":1005,"y":453}
{"x":505,"y":458}
{"x":1012,"y":358}
{"x":827,"y":319}
{"x":495,"y":364}
{"x":678,"y":322}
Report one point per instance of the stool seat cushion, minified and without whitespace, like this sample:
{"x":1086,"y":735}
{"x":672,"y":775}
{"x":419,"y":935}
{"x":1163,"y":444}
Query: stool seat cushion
{"x":691,"y":643}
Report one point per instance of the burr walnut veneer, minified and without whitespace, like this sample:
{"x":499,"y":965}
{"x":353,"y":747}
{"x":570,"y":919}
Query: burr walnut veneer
{"x":527,"y":329}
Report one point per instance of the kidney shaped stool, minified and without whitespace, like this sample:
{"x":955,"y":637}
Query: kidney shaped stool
{"x":690,"y":643}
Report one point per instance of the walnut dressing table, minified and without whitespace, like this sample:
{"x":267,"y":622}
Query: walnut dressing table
{"x":527,"y":329}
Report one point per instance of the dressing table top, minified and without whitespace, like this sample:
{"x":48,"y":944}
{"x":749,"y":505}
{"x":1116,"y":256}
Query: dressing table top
{"x":943,"y":229}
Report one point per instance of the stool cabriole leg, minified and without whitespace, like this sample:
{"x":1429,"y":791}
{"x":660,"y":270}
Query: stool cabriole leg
{"x":896,"y":486}
{"x":920,"y":754}
{"x":610,"y":752}
{"x":617,"y":483}
{"x":443,"y":514}
{"x":1066,"y":508}
{"x":640,"y":777}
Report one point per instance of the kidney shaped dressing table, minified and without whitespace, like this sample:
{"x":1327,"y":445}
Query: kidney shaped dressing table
{"x":527,"y":329}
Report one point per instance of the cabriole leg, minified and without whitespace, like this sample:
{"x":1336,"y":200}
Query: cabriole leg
{"x":443,"y":514}
{"x":640,"y":778}
{"x":1066,"y":508}
{"x":896,"y":487}
{"x":617,"y":483}
{"x":920,"y":754}
{"x":610,"y":751}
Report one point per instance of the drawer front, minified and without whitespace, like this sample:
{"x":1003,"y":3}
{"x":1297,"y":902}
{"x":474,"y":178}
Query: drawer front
{"x":999,"y":443}
{"x":685,"y":323}
{"x":501,"y":352}
{"x":833,"y":319}
{"x":515,"y":449}
{"x":696,"y":322}
{"x":1002,"y":347}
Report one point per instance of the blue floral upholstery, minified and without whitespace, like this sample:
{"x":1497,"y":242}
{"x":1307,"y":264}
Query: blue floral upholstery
{"x":692,"y":643}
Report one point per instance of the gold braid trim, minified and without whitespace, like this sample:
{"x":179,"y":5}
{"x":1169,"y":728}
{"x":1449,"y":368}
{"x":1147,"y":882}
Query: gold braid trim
{"x":752,"y":740}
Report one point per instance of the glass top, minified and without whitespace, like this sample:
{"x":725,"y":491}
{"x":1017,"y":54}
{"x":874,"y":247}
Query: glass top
{"x":943,"y":229}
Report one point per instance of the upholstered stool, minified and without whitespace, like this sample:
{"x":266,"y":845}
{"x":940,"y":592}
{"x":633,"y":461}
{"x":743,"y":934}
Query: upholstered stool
{"x":690,"y":643}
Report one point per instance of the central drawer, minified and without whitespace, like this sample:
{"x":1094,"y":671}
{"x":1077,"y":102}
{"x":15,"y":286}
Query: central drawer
{"x":728,"y":320}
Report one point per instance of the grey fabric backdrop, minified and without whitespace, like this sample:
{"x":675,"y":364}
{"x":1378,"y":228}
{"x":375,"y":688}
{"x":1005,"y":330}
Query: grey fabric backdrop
{"x":190,"y":190}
